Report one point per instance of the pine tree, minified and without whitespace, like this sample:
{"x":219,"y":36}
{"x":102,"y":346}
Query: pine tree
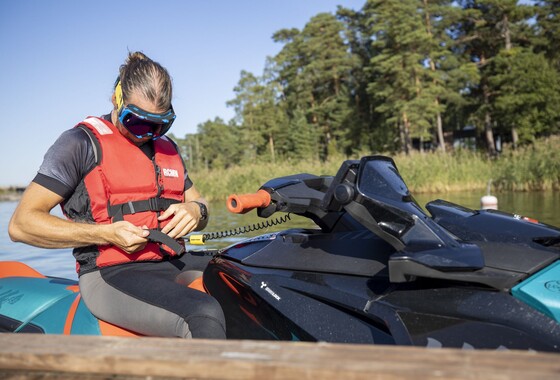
{"x":405,"y":88}
{"x":304,"y":138}
{"x":259,"y":113}
{"x":219,"y":144}
{"x":490,"y":27}
{"x":314,"y":72}
{"x":548,"y":30}
{"x":527,"y":94}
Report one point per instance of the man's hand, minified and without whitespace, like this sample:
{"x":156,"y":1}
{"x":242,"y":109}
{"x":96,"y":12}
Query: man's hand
{"x":185,"y":219}
{"x":128,"y":237}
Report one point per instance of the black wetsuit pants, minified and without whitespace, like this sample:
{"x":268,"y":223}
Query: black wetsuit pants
{"x":151,"y":298}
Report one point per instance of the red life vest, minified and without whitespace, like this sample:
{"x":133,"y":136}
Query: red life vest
{"x":127,"y":185}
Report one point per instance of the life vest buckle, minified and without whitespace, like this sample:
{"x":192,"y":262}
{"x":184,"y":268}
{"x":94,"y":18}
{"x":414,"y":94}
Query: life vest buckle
{"x":155,"y":204}
{"x":131,"y":206}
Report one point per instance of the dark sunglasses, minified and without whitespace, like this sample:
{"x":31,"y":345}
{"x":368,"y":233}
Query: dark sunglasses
{"x":146,"y":124}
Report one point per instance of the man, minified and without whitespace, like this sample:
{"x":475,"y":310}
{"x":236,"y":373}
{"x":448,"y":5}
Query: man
{"x":123,"y":184}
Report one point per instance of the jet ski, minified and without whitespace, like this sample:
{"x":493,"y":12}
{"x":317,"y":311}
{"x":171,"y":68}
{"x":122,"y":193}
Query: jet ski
{"x":378,"y":269}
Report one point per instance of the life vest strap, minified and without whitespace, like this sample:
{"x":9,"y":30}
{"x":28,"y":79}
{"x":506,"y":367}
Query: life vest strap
{"x":118,"y":211}
{"x":159,"y":237}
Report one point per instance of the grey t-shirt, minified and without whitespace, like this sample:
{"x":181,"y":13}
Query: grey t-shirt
{"x":71,"y":158}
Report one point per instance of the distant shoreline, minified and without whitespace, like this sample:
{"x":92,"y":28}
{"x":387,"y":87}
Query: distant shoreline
{"x":11,"y":194}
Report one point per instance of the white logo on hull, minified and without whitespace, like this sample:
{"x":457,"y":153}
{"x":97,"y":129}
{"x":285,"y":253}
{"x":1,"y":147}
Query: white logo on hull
{"x":264,"y":286}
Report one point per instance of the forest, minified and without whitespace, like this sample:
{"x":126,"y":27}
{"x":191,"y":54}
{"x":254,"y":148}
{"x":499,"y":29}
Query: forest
{"x":396,"y":76}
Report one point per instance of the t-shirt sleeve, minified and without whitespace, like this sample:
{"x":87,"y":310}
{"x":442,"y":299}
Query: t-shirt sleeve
{"x":66,"y":162}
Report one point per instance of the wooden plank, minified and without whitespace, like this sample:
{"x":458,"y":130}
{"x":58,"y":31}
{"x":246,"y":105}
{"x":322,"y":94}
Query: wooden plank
{"x":91,"y":357}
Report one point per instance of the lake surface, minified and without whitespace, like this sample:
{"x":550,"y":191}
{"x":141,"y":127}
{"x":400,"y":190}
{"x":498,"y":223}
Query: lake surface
{"x":543,"y":206}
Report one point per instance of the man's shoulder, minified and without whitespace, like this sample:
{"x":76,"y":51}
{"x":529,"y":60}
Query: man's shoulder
{"x":74,"y":135}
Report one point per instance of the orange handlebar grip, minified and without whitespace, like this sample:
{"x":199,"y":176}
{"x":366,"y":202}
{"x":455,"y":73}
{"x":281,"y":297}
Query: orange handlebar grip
{"x":240,"y":204}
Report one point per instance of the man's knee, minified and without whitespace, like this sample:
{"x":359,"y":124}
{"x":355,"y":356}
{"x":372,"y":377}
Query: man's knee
{"x":208,"y":321}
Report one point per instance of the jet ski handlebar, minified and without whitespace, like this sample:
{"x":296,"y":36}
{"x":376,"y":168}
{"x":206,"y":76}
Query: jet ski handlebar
{"x":240,"y":204}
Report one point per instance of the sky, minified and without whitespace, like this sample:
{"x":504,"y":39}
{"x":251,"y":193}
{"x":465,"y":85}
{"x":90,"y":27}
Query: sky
{"x":59,"y":60}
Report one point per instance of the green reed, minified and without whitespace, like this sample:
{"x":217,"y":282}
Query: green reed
{"x":536,"y":167}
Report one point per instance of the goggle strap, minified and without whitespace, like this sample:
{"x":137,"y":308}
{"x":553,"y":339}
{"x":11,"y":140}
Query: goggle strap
{"x":119,"y":96}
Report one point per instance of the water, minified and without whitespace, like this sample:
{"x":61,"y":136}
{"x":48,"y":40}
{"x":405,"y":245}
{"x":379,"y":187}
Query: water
{"x":51,"y":262}
{"x":543,"y":206}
